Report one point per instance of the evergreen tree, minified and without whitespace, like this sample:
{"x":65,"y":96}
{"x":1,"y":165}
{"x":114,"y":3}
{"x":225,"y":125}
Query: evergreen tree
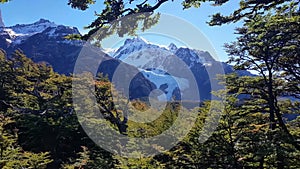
{"x":261,"y":47}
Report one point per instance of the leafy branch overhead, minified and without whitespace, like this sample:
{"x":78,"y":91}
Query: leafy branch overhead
{"x":4,"y":1}
{"x":116,"y":9}
{"x":248,"y":9}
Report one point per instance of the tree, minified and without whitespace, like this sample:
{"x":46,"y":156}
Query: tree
{"x":242,"y":138}
{"x":12,"y":155}
{"x":40,"y":102}
{"x":262,"y":46}
{"x":252,"y":133}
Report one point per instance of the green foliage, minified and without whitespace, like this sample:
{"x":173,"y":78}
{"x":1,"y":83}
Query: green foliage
{"x":261,"y":47}
{"x":108,"y":21}
{"x":39,"y":128}
{"x":197,"y":3}
{"x":249,"y":10}
{"x":4,"y":1}
{"x":40,"y":101}
{"x":115,"y":10}
{"x":80,"y":4}
{"x":81,"y":162}
{"x":12,"y":155}
{"x":241,"y":140}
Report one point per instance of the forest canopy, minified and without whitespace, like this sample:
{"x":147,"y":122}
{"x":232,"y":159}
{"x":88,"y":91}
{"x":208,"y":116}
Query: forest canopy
{"x":39,"y":127}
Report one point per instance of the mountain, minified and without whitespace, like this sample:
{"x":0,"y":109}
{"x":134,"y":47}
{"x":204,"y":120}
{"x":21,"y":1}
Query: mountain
{"x":156,"y":63}
{"x":151,"y":66}
{"x":43,"y":41}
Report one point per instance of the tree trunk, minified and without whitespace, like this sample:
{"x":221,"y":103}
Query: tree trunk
{"x":261,"y":162}
{"x":271,"y":101}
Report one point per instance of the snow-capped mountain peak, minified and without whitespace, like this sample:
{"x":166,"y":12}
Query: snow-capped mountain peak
{"x":17,"y":34}
{"x":132,"y":45}
{"x":172,"y":47}
{"x":189,"y":56}
{"x":42,"y":21}
{"x":141,"y":53}
{"x":43,"y":41}
{"x":136,"y":40}
{"x":30,"y":29}
{"x":149,"y":58}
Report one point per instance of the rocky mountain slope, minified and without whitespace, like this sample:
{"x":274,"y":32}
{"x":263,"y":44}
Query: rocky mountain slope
{"x":44,"y":41}
{"x":164,"y":66}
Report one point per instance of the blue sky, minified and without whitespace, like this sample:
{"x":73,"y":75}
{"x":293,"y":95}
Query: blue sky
{"x":29,"y":11}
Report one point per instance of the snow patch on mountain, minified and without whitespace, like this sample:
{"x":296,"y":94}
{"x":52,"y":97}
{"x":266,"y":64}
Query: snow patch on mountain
{"x":171,"y":83}
{"x":8,"y":41}
{"x":20,"y":32}
{"x":61,"y":31}
{"x":109,"y":51}
{"x":147,"y":58}
{"x":12,"y":36}
{"x":30,"y":29}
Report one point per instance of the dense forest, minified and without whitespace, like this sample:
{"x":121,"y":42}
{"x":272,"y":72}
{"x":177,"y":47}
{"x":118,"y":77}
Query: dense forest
{"x":259,"y":126}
